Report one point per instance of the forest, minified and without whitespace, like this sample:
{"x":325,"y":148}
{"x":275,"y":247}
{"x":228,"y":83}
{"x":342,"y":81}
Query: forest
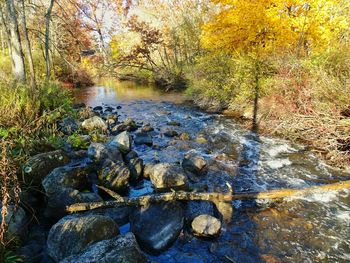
{"x":200,"y":106}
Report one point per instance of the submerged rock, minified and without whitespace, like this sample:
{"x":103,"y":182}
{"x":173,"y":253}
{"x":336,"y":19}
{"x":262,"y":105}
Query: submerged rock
{"x":71,"y":235}
{"x":173,"y":123}
{"x":168,"y":176}
{"x":143,"y":138}
{"x":157,"y":226}
{"x":94,"y":123}
{"x":147,"y":128}
{"x":170,"y":133}
{"x":122,"y":249}
{"x":41,"y":165}
{"x":206,"y":226}
{"x":123,"y":141}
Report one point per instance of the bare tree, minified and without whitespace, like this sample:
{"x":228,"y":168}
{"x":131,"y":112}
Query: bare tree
{"x":47,"y":39}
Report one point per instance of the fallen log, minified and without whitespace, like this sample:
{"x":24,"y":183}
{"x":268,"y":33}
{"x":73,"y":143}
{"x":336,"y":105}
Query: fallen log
{"x":196,"y":196}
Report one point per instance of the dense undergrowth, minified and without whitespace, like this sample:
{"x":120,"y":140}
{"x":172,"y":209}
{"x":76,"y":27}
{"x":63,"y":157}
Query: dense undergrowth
{"x":303,"y":99}
{"x":28,"y":120}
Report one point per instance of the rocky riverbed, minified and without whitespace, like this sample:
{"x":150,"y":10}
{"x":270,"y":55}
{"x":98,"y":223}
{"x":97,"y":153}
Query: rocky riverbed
{"x":143,"y":147}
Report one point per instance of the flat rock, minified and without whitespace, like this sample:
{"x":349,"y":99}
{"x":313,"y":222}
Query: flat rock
{"x":71,"y":235}
{"x":157,"y":226}
{"x":206,"y":226}
{"x":122,"y":249}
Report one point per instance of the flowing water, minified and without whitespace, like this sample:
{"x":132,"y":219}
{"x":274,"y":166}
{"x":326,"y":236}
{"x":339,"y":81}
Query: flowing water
{"x":309,"y":229}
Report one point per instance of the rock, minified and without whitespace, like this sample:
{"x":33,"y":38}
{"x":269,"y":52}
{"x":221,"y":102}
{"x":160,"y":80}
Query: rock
{"x":170,"y":133}
{"x":119,"y":128}
{"x":196,"y":208}
{"x":168,"y":176}
{"x":17,"y":220}
{"x":115,"y":175}
{"x":68,"y":126}
{"x":185,"y":136}
{"x":94,"y":123}
{"x":97,"y":108}
{"x":71,"y":235}
{"x":100,"y":152}
{"x":130,"y":155}
{"x":75,"y":177}
{"x":79,"y":106}
{"x":201,"y":139}
{"x":41,"y":165}
{"x":147,"y":170}
{"x":143,"y":138}
{"x":120,"y":215}
{"x":136,"y":169}
{"x":123,"y":141}
{"x":206,"y":226}
{"x":147,"y":128}
{"x":122,"y":249}
{"x":131,"y":124}
{"x":156,"y":227}
{"x":173,"y":123}
{"x":58,"y":201}
{"x":194,"y":164}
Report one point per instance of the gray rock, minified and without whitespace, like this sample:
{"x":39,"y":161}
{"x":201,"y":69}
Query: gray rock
{"x":168,"y":176}
{"x":59,"y":200}
{"x":170,"y":133}
{"x":39,"y":166}
{"x":131,"y":124}
{"x":147,"y":128}
{"x":17,"y":220}
{"x":115,"y":175}
{"x":68,"y":126}
{"x":196,"y":208}
{"x":206,"y":226}
{"x":119,"y":128}
{"x":75,"y":177}
{"x":156,"y":227}
{"x":122,"y":249}
{"x":143,"y":138}
{"x":136,"y":169}
{"x":194,"y":164}
{"x":120,"y":215}
{"x":123,"y":141}
{"x":71,"y":235}
{"x":147,"y":170}
{"x":94,"y":123}
{"x":99,"y":152}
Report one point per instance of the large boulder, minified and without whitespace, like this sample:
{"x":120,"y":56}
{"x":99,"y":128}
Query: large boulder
{"x":206,"y":226}
{"x":157,"y":226}
{"x":94,"y":123}
{"x":123,"y":141}
{"x":72,"y":234}
{"x":99,"y":152}
{"x":165,"y":176}
{"x":40,"y":165}
{"x":115,"y":175}
{"x":194,"y":164}
{"x":17,"y":220}
{"x":122,"y":249}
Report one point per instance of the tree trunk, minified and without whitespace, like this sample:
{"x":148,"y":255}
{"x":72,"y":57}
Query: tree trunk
{"x":214,"y":197}
{"x":47,"y":40}
{"x":28,"y":47}
{"x":16,"y":52}
{"x":7,"y":34}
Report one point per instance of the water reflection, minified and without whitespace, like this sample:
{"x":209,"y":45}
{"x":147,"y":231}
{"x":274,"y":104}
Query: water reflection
{"x":111,"y":91}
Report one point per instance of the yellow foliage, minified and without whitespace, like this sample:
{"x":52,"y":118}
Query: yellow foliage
{"x":262,"y":27}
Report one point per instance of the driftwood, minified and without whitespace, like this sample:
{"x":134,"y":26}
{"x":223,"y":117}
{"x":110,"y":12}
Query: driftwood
{"x":195,"y":196}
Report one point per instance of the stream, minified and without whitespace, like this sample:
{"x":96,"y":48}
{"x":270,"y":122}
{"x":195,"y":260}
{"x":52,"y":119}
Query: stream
{"x":309,"y":229}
